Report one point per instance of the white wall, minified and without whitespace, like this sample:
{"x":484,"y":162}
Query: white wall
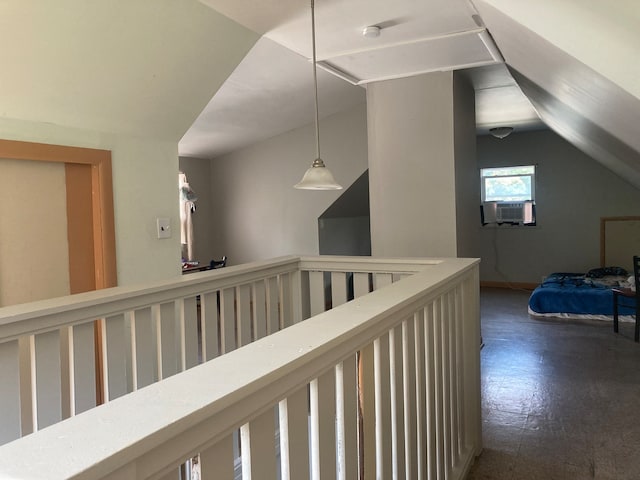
{"x":145,"y":67}
{"x":144,"y":187}
{"x":258,"y":214}
{"x":572,"y":192}
{"x":130,"y":78}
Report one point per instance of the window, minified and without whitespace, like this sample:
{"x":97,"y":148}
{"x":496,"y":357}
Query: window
{"x":508,"y":195}
{"x":508,"y":184}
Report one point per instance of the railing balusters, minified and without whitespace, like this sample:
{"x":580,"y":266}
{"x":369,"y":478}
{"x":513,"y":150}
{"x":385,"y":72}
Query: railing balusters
{"x":258,"y":448}
{"x":273,"y":297}
{"x":286,"y":298}
{"x":341,"y":455}
{"x":243,"y":299}
{"x":360,"y":284}
{"x":168,"y":336}
{"x":323,"y":434}
{"x":144,"y":366}
{"x":347,"y":412}
{"x":259,"y":309}
{"x":400,"y":404}
{"x":47,"y":379}
{"x":338,"y":288}
{"x":10,"y":427}
{"x":455,"y":368}
{"x":396,"y":403}
{"x":420,"y":398}
{"x":134,"y":351}
{"x":217,"y":461}
{"x":446,"y":385}
{"x":227,"y":320}
{"x":27,"y":373}
{"x":430,"y":387}
{"x":116,"y":354}
{"x":209,"y":318}
{"x":84,"y":370}
{"x":66,"y":371}
{"x":294,"y":435}
{"x":409,"y":396}
{"x":316,"y":292}
{"x":383,"y":434}
{"x":382,"y":280}
{"x":190,"y":312}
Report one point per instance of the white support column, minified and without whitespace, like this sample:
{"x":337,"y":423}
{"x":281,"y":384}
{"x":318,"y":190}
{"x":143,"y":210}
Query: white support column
{"x":414,"y":145}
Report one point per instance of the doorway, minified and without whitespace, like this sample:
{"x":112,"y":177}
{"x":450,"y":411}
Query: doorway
{"x":90,"y":222}
{"x":89,"y":203}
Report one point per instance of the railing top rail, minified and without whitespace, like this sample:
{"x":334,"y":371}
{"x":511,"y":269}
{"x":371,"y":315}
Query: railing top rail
{"x":367,"y":264}
{"x":44,"y":315}
{"x":102,"y":440}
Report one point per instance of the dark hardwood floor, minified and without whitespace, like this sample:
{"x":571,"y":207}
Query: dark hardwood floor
{"x":561,"y":399}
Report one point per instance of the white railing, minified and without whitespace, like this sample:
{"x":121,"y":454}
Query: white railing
{"x":386,"y":386}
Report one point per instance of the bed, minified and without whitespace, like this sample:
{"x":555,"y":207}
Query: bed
{"x":581,"y":295}
{"x":589,"y":295}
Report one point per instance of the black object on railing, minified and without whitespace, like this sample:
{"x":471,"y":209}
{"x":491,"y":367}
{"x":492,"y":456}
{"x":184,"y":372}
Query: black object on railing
{"x":218,"y":263}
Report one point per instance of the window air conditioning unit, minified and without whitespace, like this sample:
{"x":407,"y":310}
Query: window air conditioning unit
{"x":508,"y":212}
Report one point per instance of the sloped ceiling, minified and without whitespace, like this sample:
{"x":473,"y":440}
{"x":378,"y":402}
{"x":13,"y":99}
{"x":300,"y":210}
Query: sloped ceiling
{"x":271,"y":90}
{"x":578,"y":63}
{"x":143,"y":67}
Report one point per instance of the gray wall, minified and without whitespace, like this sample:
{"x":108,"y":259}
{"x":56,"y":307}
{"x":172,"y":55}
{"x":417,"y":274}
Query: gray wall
{"x":198,"y":172}
{"x":258,"y":214}
{"x":466,"y":182}
{"x":345,"y":236}
{"x":572,"y":192}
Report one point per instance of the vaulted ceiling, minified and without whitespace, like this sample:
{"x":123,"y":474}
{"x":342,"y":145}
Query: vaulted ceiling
{"x":131,"y":67}
{"x":415,"y":37}
{"x":573,"y":65}
{"x":233,"y":72}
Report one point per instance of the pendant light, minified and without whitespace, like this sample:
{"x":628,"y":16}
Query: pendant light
{"x":318,"y":177}
{"x":501,"y":132}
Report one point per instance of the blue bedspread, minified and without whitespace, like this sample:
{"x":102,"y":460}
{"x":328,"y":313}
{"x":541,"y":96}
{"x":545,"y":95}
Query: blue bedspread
{"x":574,"y":293}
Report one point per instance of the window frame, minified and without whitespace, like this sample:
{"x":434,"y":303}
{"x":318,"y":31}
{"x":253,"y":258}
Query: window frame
{"x":532,"y":182}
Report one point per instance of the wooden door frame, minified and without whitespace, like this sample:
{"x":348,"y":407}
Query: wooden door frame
{"x":603,"y":234}
{"x":102,"y":241}
{"x":104,"y":244}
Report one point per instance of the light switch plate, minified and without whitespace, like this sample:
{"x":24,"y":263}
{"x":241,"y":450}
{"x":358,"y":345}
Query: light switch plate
{"x":164,"y":227}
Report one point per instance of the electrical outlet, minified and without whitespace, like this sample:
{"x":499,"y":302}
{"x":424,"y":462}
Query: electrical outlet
{"x":164,"y":227}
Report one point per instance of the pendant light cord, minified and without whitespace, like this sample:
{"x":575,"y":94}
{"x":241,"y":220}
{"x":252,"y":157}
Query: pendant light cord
{"x":315,"y":77}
